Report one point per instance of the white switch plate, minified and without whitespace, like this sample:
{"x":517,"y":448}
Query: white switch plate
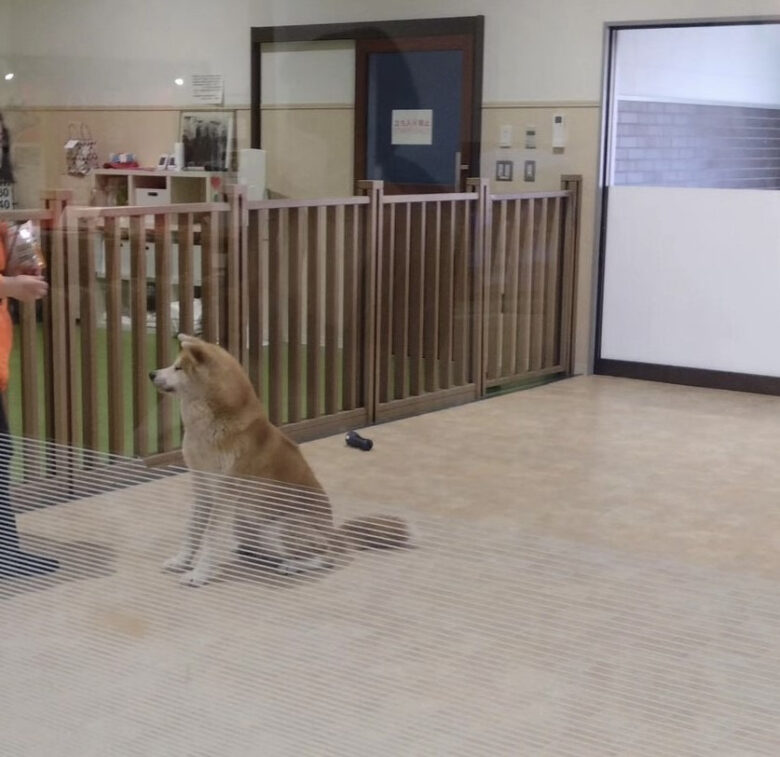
{"x":505,"y":136}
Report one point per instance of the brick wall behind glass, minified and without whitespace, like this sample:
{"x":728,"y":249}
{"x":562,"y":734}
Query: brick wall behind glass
{"x":677,"y":144}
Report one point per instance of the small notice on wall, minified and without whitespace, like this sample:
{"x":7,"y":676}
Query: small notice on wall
{"x":6,"y":195}
{"x":412,"y":127}
{"x":208,"y":89}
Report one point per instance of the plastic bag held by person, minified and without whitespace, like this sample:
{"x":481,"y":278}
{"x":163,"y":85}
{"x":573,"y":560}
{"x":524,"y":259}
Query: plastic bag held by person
{"x":24,"y":254}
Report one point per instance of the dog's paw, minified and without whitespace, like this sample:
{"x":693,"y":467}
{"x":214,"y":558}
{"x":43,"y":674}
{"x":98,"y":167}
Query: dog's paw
{"x":178,"y":563}
{"x":195,"y":577}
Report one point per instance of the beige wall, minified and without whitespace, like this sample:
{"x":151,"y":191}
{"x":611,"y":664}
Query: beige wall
{"x":309,"y":150}
{"x":38,"y":138}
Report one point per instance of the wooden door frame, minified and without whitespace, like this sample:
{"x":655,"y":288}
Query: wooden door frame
{"x":670,"y":374}
{"x":473,"y":26}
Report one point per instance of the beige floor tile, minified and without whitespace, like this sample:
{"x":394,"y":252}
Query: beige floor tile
{"x":596,"y":573}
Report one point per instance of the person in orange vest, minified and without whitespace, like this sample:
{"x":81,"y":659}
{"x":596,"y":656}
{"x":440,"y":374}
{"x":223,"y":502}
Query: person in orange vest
{"x":25,"y":286}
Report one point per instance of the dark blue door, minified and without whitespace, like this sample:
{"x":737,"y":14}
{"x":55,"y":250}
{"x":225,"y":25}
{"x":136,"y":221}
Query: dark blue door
{"x":415,"y":113}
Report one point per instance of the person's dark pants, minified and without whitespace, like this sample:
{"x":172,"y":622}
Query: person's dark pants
{"x":14,"y":563}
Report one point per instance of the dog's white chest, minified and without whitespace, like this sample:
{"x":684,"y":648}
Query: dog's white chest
{"x":201,"y":443}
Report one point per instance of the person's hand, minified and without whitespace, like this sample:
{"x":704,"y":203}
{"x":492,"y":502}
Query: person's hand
{"x":26,"y":288}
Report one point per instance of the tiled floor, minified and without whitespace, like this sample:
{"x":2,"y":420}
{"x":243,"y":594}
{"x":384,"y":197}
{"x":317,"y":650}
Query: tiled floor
{"x":597,"y":573}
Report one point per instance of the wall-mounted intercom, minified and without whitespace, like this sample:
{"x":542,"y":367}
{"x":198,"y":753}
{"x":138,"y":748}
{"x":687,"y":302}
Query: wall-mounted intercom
{"x":559,"y":131}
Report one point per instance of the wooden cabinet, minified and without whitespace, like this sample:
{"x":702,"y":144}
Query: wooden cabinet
{"x":129,"y":187}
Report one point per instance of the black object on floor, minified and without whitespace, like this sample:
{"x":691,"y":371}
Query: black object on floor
{"x":356,"y":440}
{"x":18,"y":564}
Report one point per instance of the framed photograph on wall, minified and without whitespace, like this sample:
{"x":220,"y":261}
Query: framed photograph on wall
{"x":207,"y":137}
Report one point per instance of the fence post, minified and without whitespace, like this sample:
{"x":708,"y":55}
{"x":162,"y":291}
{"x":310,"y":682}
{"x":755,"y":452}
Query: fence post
{"x":234,"y":289}
{"x":244,"y":276}
{"x":372,"y":287}
{"x":481,"y":259}
{"x":57,"y":380}
{"x":573,"y":185}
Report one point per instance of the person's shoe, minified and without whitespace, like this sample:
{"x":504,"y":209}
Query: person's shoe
{"x":18,"y":564}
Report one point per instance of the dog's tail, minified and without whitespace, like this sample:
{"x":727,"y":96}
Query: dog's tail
{"x":376,"y":532}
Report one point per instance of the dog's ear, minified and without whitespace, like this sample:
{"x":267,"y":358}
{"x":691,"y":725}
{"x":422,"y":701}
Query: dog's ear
{"x":185,"y":339}
{"x":197,"y":351}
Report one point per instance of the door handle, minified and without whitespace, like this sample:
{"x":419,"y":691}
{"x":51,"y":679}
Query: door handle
{"x":459,"y":168}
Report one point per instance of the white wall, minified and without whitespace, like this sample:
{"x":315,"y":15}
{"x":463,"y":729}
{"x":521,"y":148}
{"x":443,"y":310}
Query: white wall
{"x":735,"y":64}
{"x":296,"y":73}
{"x":5,"y":37}
{"x":692,"y":278}
{"x":127,"y":52}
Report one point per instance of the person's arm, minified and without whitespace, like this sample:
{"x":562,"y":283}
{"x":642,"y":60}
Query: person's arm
{"x":23,"y":287}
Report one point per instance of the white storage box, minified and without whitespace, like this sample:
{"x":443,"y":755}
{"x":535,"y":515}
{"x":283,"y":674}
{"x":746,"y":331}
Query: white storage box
{"x":146,"y":196}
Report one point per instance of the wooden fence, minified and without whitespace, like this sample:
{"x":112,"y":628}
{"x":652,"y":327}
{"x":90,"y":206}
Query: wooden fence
{"x":344,"y":311}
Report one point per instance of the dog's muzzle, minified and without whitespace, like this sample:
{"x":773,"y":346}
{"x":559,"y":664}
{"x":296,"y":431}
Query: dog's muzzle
{"x":160,"y":386}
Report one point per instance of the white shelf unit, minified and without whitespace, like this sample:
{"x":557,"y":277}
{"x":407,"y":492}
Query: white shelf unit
{"x":115,"y":186}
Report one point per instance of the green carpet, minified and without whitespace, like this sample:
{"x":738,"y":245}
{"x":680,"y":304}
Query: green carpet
{"x":14,"y":396}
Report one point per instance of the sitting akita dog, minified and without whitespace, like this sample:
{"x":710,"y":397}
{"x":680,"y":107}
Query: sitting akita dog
{"x":285,"y":516}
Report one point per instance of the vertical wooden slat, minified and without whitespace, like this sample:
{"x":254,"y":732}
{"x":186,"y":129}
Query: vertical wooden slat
{"x":313,"y":316}
{"x":275,"y":304}
{"x":369,"y":282}
{"x":478,"y":255}
{"x":186,"y":282}
{"x":525,"y":303}
{"x":232,"y":293}
{"x":350,"y":310}
{"x":537,"y":290}
{"x":114,"y":351}
{"x":88,"y":323}
{"x":28,"y":358}
{"x":244,"y":281}
{"x":462,"y":296}
{"x":495,"y":288}
{"x":162,"y":288}
{"x":553,"y":285}
{"x":256,"y":257}
{"x":573,"y":185}
{"x":209,"y":238}
{"x":295,"y":303}
{"x":73,"y":344}
{"x":417,"y":253}
{"x":386,"y":297}
{"x":56,"y":325}
{"x":138,"y":335}
{"x":400,"y":318}
{"x":446,"y":296}
{"x":334,"y":262}
{"x":431,"y":296}
{"x":509,"y":346}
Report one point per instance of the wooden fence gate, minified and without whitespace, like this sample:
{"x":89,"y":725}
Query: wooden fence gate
{"x":345,"y":312}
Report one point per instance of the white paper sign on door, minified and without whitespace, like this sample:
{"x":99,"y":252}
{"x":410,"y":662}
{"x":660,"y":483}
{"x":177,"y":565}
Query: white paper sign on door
{"x":412,"y":127}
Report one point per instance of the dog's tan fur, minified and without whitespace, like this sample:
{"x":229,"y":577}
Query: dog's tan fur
{"x":227,"y":432}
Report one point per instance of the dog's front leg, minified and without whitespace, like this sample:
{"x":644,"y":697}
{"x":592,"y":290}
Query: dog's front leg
{"x":196,"y":525}
{"x":213,"y":548}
